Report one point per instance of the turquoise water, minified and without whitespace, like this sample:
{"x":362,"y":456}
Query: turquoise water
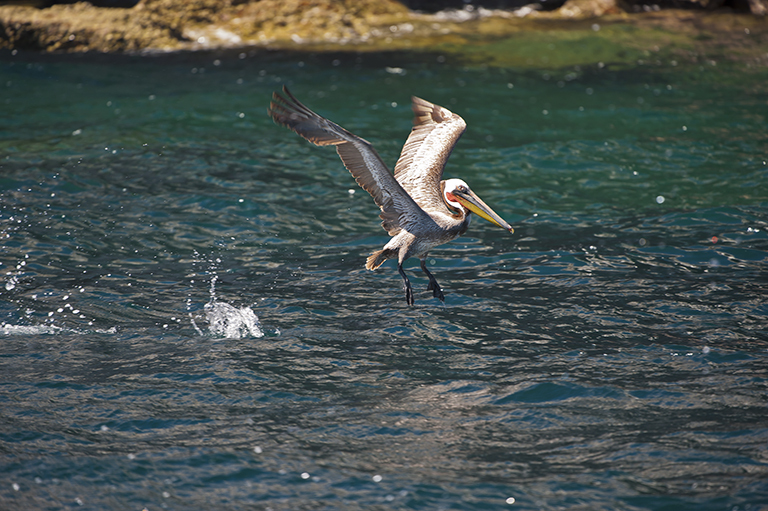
{"x":611,"y":354}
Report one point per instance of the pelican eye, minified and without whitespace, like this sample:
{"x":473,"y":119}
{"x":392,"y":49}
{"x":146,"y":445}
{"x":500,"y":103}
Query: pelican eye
{"x":462,"y":189}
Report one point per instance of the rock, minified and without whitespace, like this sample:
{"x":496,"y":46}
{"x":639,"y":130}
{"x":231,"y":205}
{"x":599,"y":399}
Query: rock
{"x":758,"y":7}
{"x":579,"y":9}
{"x":78,"y":27}
{"x":315,"y":25}
{"x":180,"y":24}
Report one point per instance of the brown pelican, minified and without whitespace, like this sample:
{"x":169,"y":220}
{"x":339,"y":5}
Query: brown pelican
{"x":418,"y":210}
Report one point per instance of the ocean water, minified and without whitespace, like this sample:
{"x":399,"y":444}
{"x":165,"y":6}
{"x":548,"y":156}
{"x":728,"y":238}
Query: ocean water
{"x":186,"y":321}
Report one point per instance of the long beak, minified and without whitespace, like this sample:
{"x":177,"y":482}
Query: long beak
{"x":473,"y":203}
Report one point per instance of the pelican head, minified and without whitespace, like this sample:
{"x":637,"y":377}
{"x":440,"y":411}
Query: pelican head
{"x":459,"y":196}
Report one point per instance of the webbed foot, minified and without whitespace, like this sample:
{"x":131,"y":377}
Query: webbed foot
{"x":435,"y":288}
{"x":433,"y":285}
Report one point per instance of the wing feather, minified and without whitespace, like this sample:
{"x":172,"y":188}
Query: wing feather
{"x":398,"y":209}
{"x":422,"y":160}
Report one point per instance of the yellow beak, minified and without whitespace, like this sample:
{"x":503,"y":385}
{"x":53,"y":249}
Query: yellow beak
{"x":473,"y":203}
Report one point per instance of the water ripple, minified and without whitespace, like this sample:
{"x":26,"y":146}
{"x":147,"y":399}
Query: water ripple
{"x":187,"y":321}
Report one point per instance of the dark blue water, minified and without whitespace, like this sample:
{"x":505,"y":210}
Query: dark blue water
{"x":187,"y":322}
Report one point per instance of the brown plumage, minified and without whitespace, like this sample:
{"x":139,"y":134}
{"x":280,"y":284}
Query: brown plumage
{"x":418,"y":209}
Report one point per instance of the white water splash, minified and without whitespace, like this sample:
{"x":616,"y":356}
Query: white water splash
{"x":8,"y":329}
{"x":231,"y":322}
{"x":11,"y":283}
{"x":13,"y":278}
{"x":225,"y":320}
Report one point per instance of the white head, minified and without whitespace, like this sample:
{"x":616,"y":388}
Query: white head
{"x":454,"y":185}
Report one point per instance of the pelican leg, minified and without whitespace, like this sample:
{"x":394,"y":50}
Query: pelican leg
{"x":406,"y":284}
{"x":433,"y":285}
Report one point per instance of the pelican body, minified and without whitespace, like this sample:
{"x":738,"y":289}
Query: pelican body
{"x":418,"y":209}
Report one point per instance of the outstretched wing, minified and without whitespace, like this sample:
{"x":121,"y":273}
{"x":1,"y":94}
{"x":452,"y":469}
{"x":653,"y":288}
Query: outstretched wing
{"x":420,"y":167}
{"x":398,"y":209}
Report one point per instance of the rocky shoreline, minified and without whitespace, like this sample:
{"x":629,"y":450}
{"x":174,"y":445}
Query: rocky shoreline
{"x":349,"y":25}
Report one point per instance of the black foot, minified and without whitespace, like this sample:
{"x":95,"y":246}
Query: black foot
{"x":406,"y":285}
{"x":435,"y":288}
{"x":408,"y":293}
{"x":433,"y":285}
